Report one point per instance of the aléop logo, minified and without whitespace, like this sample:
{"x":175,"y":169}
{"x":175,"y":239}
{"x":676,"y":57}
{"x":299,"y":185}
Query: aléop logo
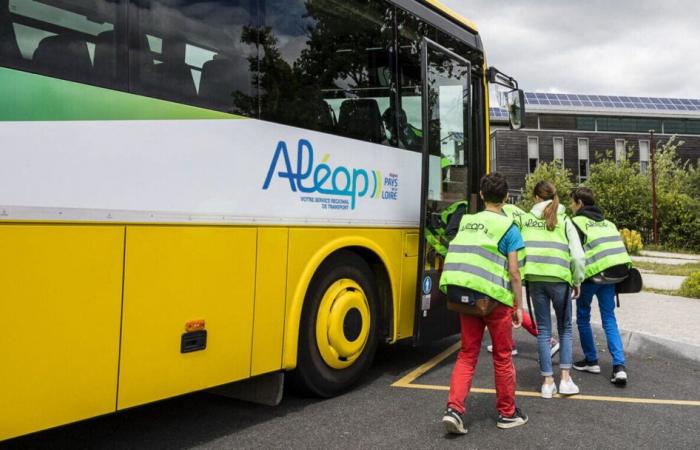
{"x":474,"y":227}
{"x":532,"y":223}
{"x":339,"y":187}
{"x":593,"y":224}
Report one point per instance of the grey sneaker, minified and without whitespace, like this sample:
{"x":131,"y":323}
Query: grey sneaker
{"x":453,"y":423}
{"x":518,"y":418}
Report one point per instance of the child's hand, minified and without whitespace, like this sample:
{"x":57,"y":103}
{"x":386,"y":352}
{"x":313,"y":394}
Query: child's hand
{"x":517,"y":317}
{"x":576,"y":293}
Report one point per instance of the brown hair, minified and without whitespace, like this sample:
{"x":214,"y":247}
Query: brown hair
{"x":546,"y":191}
{"x":494,"y":186}
{"x":583,"y":194}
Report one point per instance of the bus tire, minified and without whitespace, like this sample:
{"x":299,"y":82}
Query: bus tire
{"x":338,"y":328}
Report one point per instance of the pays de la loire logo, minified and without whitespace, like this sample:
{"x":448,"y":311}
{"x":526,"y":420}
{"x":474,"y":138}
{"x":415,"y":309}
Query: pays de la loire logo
{"x":309,"y":177}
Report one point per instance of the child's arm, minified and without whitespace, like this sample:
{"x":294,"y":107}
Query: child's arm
{"x":514,"y":270}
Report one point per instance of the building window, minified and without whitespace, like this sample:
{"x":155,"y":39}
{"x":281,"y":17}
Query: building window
{"x":619,"y":150}
{"x":559,"y":150}
{"x":533,"y":153}
{"x":493,"y":153}
{"x":582,"y":159}
{"x":643,"y":156}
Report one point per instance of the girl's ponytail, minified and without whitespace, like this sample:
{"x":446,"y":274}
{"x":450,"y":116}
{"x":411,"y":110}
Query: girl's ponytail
{"x":546,"y":191}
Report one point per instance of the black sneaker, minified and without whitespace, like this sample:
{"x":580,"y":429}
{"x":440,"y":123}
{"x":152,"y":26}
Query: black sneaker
{"x":517,"y":419}
{"x":587,"y":366}
{"x":452,"y":420}
{"x":619,"y":376}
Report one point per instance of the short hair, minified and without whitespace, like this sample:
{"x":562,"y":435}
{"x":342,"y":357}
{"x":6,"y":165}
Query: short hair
{"x":584,"y":194}
{"x":494,"y":187}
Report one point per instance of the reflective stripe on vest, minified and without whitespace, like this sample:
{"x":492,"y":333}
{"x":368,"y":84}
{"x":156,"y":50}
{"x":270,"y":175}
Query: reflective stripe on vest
{"x":603,"y":246}
{"x":516,"y":213}
{"x":546,"y":252}
{"x":473,"y":260}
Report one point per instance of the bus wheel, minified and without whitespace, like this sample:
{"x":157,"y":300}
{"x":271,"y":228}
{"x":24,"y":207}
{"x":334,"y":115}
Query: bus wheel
{"x":338,"y":330}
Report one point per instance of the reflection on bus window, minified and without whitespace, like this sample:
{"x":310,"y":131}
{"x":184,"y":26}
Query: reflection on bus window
{"x":70,"y":40}
{"x":411,"y":31}
{"x":199,"y":53}
{"x":326,"y":65}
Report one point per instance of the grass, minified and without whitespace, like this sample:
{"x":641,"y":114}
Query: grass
{"x":668,"y":269}
{"x":661,"y":248}
{"x":673,"y":292}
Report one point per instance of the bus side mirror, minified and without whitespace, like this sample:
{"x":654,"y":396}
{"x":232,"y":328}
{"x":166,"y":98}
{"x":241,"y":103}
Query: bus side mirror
{"x":515,"y":102}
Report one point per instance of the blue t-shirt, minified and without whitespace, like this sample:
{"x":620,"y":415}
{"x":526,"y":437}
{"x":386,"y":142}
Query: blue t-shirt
{"x":512,"y":241}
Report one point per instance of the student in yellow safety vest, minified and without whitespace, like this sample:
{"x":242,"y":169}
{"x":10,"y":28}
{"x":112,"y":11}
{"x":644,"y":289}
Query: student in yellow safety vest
{"x":482,"y":263}
{"x":607,"y":263}
{"x":553,"y":266}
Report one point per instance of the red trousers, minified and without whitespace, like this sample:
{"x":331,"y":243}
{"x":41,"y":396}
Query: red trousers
{"x":500,"y":326}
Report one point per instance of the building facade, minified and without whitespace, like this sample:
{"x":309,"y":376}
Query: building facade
{"x":582,"y":129}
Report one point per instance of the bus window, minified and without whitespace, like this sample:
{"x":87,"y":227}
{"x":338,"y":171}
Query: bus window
{"x":200,"y":53}
{"x":327,"y":66}
{"x":74,"y":40}
{"x":410,"y":120}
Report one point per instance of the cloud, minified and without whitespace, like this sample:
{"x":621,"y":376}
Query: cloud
{"x":594,"y":47}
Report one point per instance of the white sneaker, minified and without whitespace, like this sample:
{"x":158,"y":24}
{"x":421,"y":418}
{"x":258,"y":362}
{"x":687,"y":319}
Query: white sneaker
{"x":553,"y":347}
{"x":548,"y":390}
{"x":568,"y":387}
{"x":489,"y":348}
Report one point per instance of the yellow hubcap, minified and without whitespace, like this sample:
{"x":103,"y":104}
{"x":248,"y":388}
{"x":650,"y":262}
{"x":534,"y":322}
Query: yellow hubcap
{"x":342,"y":323}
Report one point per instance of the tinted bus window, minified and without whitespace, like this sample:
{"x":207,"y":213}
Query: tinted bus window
{"x":410,"y":118}
{"x":197,"y":52}
{"x":74,"y":40}
{"x":327,"y":65}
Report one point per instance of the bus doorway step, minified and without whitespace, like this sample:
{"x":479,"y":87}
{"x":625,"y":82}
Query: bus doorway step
{"x":263,"y":390}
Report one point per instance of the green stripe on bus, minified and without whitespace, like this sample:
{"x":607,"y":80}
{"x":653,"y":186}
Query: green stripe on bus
{"x":30,"y":97}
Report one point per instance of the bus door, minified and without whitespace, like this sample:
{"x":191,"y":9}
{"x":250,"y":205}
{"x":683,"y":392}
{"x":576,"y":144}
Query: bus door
{"x":446,"y":103}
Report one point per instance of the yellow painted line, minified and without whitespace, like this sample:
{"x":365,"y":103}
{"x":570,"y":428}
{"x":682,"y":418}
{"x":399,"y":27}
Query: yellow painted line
{"x":434,"y":361}
{"x":597,"y":398}
{"x":407,"y":382}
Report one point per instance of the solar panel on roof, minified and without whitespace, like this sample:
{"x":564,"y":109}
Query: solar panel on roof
{"x":612,"y":102}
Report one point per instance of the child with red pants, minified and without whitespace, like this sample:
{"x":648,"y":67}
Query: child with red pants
{"x":490,"y":235}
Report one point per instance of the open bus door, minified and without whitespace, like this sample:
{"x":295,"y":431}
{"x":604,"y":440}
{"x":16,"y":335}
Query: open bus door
{"x":446,"y":125}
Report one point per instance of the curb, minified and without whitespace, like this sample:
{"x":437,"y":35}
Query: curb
{"x":646,"y":344}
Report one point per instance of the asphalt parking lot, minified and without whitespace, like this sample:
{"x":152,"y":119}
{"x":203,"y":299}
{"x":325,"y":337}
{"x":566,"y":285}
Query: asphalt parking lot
{"x":399,"y":405}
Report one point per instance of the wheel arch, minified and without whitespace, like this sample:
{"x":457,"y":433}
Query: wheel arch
{"x":377,"y":260}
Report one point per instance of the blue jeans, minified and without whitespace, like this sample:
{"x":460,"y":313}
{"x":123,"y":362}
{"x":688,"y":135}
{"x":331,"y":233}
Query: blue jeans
{"x":558,"y":294}
{"x":606,"y":303}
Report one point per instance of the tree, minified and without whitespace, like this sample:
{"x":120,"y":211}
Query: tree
{"x":622,"y":193}
{"x":678,"y":197}
{"x":553,"y":172}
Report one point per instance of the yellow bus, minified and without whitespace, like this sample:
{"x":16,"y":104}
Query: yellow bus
{"x":199,"y":192}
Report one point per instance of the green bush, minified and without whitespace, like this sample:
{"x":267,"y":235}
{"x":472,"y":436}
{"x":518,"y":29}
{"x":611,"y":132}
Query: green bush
{"x":679,"y":220}
{"x":678,"y":198}
{"x":691,"y":286}
{"x":623,"y":193}
{"x":555,"y":174}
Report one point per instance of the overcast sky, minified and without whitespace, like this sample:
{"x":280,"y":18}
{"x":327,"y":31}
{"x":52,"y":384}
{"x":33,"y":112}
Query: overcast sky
{"x":617,"y":47}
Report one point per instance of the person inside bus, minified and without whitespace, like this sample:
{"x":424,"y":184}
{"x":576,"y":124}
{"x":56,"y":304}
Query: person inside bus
{"x":607,"y":263}
{"x":554,"y":262}
{"x":482,"y":264}
{"x":408,"y":136}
